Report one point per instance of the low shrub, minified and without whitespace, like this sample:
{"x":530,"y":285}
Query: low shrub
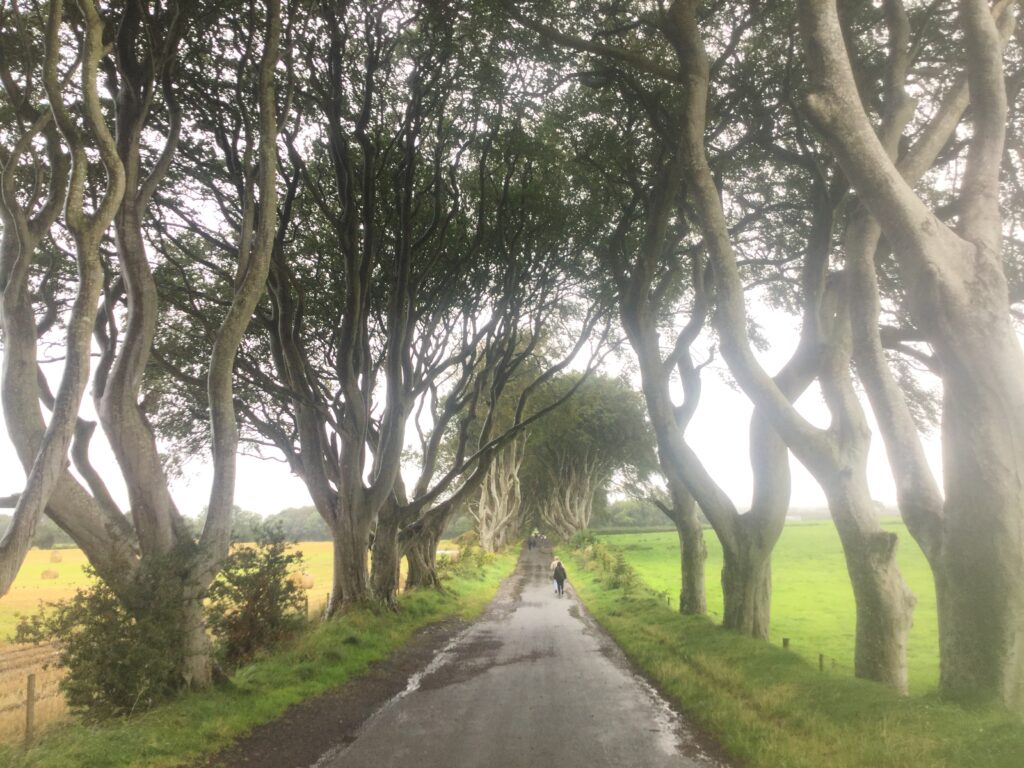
{"x":121,"y":662}
{"x":444,"y":567}
{"x":118,"y":662}
{"x":583,"y":539}
{"x":610,"y":564}
{"x":255,"y":602}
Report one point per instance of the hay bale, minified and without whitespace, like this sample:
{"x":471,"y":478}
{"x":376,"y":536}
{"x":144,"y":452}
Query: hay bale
{"x":303,"y":581}
{"x":49,"y":575}
{"x":56,"y":557}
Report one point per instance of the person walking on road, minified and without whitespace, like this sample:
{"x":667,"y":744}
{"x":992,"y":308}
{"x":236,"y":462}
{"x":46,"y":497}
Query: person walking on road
{"x":559,"y":576}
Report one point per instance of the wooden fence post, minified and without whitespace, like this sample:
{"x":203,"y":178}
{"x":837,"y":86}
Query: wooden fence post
{"x":30,"y":709}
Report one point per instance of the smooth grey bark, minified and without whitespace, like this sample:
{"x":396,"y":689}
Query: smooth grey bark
{"x":350,"y":586}
{"x":568,"y":510}
{"x":22,"y":231}
{"x":835,"y":456}
{"x":693,"y":552}
{"x":497,"y":508}
{"x":386,"y":555}
{"x":48,"y":465}
{"x":254,"y":247}
{"x":639,"y":308}
{"x":118,"y":551}
{"x":747,"y":540}
{"x":421,"y":554}
{"x":956,"y":291}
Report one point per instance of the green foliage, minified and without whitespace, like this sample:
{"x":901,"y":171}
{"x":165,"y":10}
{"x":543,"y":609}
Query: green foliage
{"x":253,"y":602}
{"x":582,"y":539}
{"x":582,"y":428}
{"x":444,"y":567}
{"x":458,"y":525}
{"x":47,"y":536}
{"x":118,"y":663}
{"x":611,"y":565}
{"x":297,"y":523}
{"x":600,"y":433}
{"x":302,"y":524}
{"x":471,"y":554}
{"x":629,"y":513}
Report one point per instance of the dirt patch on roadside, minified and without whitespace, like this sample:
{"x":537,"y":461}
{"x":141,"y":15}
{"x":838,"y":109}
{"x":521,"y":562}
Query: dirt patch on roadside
{"x":306,"y":731}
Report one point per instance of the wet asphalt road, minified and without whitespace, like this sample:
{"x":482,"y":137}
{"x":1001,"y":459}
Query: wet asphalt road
{"x":534,"y":682}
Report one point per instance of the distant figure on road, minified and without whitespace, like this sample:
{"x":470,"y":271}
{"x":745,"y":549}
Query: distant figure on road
{"x":560,"y":576}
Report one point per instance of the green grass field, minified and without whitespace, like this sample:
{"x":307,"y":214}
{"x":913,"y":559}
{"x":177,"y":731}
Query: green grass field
{"x":812,"y":601}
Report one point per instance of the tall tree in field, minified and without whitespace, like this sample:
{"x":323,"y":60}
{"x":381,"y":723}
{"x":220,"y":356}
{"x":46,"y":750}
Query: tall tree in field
{"x":956,"y":289}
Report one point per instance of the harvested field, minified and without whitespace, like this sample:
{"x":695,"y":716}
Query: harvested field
{"x":16,"y":662}
{"x":30,"y":588}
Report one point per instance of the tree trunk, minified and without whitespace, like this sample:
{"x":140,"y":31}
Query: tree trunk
{"x":956,"y":292}
{"x":197,"y":664}
{"x":386,"y":559}
{"x":351,"y":535}
{"x":980,"y":589}
{"x":747,"y":585}
{"x":884,"y":603}
{"x":500,"y":499}
{"x":692,"y":551}
{"x":421,"y":554}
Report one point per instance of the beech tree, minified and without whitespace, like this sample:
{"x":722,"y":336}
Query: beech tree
{"x":141,"y":63}
{"x":27,"y":219}
{"x":431,"y":242}
{"x":956,"y":289}
{"x":498,"y":508}
{"x":569,"y":456}
{"x":645,"y":252}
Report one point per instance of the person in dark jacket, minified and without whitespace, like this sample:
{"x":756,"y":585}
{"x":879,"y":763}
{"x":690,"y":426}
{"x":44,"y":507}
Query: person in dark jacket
{"x":560,"y":577}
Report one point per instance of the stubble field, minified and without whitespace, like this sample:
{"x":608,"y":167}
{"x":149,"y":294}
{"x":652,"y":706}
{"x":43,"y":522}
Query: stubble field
{"x":64,"y":573}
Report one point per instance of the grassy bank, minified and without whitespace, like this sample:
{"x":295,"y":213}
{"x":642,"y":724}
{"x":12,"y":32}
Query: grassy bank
{"x":770,"y":708}
{"x":812,"y":600}
{"x":324,"y":658}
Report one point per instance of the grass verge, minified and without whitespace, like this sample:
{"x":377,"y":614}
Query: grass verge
{"x":324,"y":658}
{"x":769,"y":708}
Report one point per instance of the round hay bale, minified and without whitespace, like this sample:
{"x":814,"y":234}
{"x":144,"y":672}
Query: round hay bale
{"x":48,"y":574}
{"x":303,"y":581}
{"x":56,"y":557}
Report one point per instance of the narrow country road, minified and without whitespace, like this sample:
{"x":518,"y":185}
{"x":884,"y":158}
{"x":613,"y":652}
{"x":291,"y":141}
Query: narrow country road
{"x":534,"y":682}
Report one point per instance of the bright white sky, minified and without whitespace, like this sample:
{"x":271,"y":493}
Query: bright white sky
{"x":718,"y":433}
